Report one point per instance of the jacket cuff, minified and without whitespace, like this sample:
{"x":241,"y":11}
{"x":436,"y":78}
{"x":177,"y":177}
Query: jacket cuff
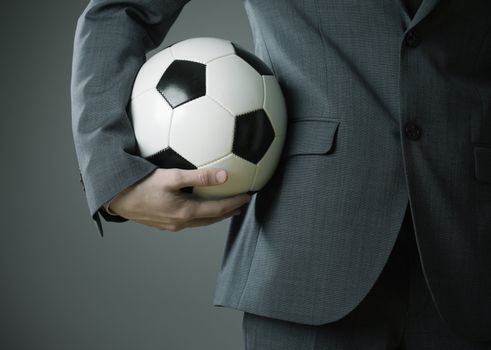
{"x":96,"y":205}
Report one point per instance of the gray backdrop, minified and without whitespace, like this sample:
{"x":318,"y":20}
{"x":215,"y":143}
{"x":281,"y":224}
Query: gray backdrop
{"x":62,"y":285}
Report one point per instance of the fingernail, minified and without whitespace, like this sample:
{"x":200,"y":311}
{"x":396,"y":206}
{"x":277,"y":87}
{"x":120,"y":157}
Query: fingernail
{"x":221,"y":176}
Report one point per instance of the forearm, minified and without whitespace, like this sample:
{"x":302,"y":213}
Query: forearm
{"x":111,"y":40}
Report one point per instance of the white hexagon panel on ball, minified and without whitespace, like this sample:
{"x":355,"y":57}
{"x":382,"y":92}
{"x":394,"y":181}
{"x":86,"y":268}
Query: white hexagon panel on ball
{"x":201,"y":131}
{"x":234,"y":84}
{"x":240,"y":177}
{"x":151,"y":117}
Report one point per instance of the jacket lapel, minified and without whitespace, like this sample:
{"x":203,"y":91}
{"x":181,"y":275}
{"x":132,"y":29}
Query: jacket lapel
{"x":423,"y":10}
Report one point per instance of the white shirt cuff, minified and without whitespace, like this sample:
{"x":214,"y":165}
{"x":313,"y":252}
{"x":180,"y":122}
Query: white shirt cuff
{"x":106,"y":207}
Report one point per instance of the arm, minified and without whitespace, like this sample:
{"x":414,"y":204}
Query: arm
{"x":111,"y":40}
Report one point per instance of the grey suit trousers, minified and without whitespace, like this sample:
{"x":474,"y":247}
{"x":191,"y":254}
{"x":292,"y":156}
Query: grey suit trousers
{"x":397,"y":313}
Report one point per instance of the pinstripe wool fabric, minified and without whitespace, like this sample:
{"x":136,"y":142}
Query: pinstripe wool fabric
{"x":385,"y":110}
{"x":398,"y":313}
{"x":412,"y":6}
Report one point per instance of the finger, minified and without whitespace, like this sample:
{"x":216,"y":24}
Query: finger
{"x":209,"y":221}
{"x":147,"y":222}
{"x":169,"y":226}
{"x":196,"y":177}
{"x":210,"y":208}
{"x":173,"y":227}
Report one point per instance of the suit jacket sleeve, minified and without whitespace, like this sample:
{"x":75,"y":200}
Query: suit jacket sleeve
{"x":111,"y":40}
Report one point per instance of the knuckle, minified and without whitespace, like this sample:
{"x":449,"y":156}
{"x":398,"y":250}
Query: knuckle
{"x":198,"y":206}
{"x":177,"y":228}
{"x":176,"y":176}
{"x":184,"y":214}
{"x":221,"y":211}
{"x":168,"y":228}
{"x":203,"y":178}
{"x":173,"y":227}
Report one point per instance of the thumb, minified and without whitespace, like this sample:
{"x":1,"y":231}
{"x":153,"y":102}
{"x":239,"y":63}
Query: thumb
{"x":199,"y":177}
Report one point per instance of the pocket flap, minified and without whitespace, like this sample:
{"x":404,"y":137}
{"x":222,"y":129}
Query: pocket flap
{"x":313,"y":135}
{"x":482,"y":159}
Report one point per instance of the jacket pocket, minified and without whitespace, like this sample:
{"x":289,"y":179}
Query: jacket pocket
{"x":309,"y":135}
{"x":482,"y":161}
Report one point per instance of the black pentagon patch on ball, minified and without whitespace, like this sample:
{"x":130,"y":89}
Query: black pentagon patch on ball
{"x":253,"y":60}
{"x":253,"y":135}
{"x":182,"y":82}
{"x":167,"y":159}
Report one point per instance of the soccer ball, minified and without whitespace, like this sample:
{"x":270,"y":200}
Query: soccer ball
{"x":207,"y":102}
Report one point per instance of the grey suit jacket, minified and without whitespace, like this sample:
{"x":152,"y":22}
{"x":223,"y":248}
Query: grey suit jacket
{"x":385,"y":111}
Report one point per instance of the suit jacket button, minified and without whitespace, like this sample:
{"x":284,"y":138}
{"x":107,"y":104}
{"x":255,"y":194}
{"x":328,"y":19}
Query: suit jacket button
{"x":413,"y":132}
{"x":412,"y":38}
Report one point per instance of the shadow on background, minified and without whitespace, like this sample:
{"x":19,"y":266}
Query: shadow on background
{"x":62,"y":285}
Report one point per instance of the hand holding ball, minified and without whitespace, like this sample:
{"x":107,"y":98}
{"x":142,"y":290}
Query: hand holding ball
{"x":206,"y":102}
